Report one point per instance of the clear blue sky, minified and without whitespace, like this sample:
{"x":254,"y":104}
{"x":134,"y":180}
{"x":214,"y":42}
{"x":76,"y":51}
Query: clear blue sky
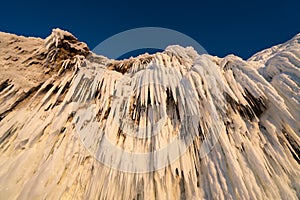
{"x":222,"y":27}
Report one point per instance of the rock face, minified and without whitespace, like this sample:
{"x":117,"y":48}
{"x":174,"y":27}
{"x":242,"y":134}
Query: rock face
{"x":173,"y":125}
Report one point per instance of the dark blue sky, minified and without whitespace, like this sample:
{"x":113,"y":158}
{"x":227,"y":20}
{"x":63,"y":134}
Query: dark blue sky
{"x":221,"y":27}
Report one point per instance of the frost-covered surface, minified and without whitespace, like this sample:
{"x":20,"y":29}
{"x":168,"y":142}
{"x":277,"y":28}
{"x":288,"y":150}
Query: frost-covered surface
{"x":235,"y":124}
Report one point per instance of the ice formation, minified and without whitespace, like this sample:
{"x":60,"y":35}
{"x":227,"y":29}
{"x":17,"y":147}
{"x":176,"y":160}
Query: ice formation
{"x":172,"y":125}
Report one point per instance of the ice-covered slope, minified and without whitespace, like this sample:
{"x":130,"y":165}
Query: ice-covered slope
{"x":173,"y":125}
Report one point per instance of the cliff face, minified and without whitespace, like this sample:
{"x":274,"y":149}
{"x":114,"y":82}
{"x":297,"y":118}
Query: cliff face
{"x":173,"y":125}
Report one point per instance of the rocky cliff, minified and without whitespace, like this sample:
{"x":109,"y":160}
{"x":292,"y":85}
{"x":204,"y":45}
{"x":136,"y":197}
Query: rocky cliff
{"x":173,"y":125}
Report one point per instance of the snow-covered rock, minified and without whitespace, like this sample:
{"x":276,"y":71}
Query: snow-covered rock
{"x":172,"y":125}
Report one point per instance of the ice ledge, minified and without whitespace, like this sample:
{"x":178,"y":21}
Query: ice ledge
{"x":63,"y":39}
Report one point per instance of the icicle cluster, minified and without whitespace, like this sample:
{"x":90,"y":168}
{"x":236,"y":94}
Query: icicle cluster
{"x":173,"y":125}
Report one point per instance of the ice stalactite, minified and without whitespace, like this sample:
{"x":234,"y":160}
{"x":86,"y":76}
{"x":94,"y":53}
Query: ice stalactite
{"x":172,"y":125}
